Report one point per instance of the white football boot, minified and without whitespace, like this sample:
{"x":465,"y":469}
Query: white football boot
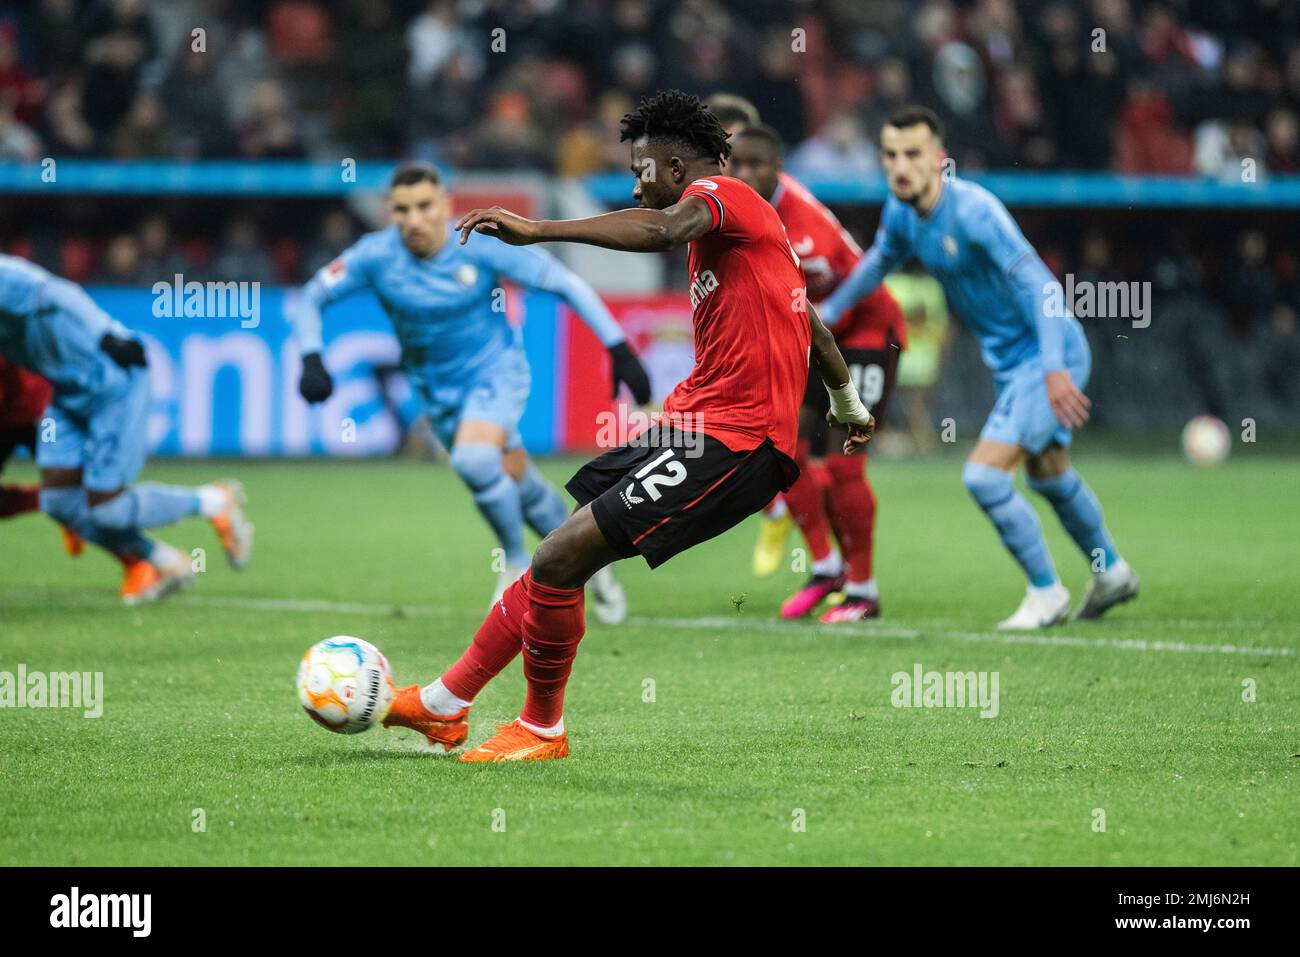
{"x":1042,"y":608}
{"x":1115,"y":585}
{"x":508,"y":576}
{"x":609,"y":601}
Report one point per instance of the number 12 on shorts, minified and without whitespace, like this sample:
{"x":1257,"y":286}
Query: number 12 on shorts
{"x":675,"y":474}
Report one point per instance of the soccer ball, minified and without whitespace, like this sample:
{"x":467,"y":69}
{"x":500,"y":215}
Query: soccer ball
{"x":345,"y":684}
{"x":1206,"y":440}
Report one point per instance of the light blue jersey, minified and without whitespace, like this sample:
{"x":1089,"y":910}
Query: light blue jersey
{"x":449,"y":317}
{"x":98,"y":417}
{"x":50,"y":326}
{"x":1000,"y":288}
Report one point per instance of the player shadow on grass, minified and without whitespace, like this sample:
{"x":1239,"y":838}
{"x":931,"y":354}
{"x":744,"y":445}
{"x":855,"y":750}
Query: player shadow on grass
{"x":333,"y":758}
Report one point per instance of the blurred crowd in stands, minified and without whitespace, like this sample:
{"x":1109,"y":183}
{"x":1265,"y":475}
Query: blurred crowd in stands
{"x":1208,"y":88}
{"x":1169,"y":86}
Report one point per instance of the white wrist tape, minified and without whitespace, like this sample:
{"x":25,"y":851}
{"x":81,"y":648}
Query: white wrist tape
{"x":847,"y":406}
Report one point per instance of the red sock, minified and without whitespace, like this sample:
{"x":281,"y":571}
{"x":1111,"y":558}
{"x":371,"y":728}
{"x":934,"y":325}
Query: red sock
{"x":808,"y":508}
{"x":16,"y":499}
{"x":852,"y":512}
{"x":553,"y":626}
{"x":495,"y":644}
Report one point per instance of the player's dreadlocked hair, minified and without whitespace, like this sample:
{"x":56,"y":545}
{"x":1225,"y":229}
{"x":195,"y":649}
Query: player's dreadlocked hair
{"x":680,"y":118}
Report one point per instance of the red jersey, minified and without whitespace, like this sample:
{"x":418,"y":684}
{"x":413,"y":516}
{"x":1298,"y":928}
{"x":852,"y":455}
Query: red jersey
{"x":23,"y":395}
{"x":828,"y":254}
{"x":750,"y":324}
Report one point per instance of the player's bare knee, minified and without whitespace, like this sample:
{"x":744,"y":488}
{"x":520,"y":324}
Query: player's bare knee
{"x":1051,"y":462}
{"x":515,"y":462}
{"x":98,"y":498}
{"x":998,"y":455}
{"x":556,"y":560}
{"x":61,"y":478}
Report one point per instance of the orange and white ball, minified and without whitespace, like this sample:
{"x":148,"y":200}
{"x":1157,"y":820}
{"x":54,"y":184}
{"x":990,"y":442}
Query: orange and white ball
{"x":345,"y":684}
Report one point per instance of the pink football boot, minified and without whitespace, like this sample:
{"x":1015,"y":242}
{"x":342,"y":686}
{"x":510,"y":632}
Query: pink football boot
{"x":851,"y":609}
{"x":811,"y":595}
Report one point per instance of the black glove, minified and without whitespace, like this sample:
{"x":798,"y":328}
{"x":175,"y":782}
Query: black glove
{"x":315,"y":384}
{"x":125,"y":352}
{"x":628,"y":369}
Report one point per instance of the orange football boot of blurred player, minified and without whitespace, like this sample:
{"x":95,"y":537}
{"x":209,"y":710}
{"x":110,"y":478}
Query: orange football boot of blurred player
{"x":146,"y":582}
{"x":233,"y":527}
{"x":73,"y":543}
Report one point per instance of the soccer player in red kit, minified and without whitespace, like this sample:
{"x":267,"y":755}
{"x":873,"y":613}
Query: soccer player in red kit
{"x":723,"y":446}
{"x":23,"y":398}
{"x":832,"y":492}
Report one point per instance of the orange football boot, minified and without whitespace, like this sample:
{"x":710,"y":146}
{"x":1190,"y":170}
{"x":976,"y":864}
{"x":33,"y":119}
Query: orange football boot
{"x":73,"y":543}
{"x":145,"y":582}
{"x":408,"y":711}
{"x":233,"y":528}
{"x":514,"y":742}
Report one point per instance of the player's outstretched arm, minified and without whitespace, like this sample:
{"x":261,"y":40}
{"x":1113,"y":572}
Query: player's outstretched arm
{"x":637,"y":230}
{"x":314,"y":384}
{"x":114,"y":340}
{"x":888,"y":251}
{"x":332,"y":282}
{"x":846,"y":406}
{"x":538,"y":269}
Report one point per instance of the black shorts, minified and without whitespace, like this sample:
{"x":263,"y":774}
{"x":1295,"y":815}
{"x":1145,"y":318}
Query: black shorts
{"x":666,"y":492}
{"x":872,"y":371}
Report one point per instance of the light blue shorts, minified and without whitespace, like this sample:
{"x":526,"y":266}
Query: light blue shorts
{"x":496,"y":392}
{"x":1022,"y":415}
{"x":105,"y":436}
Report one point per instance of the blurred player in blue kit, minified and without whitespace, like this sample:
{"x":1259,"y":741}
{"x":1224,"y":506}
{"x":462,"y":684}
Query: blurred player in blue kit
{"x":462,"y":355}
{"x":92,"y":439}
{"x":1036,"y":349}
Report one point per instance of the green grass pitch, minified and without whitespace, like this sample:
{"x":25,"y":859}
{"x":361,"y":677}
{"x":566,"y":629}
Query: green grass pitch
{"x":765,"y":743}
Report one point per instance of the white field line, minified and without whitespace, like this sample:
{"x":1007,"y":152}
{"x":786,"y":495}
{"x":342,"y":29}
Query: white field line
{"x":311,"y":605}
{"x":742,"y":622}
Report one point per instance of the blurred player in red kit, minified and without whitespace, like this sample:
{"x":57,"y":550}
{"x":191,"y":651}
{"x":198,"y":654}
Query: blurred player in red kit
{"x":23,"y":398}
{"x":722,"y":448}
{"x":832,"y":492}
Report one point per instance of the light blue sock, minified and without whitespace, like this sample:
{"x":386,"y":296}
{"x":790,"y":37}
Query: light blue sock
{"x":69,"y":507}
{"x":1014,"y":519}
{"x":544,"y":507}
{"x":495,"y":493}
{"x":146,"y":505}
{"x":1080,"y":513}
